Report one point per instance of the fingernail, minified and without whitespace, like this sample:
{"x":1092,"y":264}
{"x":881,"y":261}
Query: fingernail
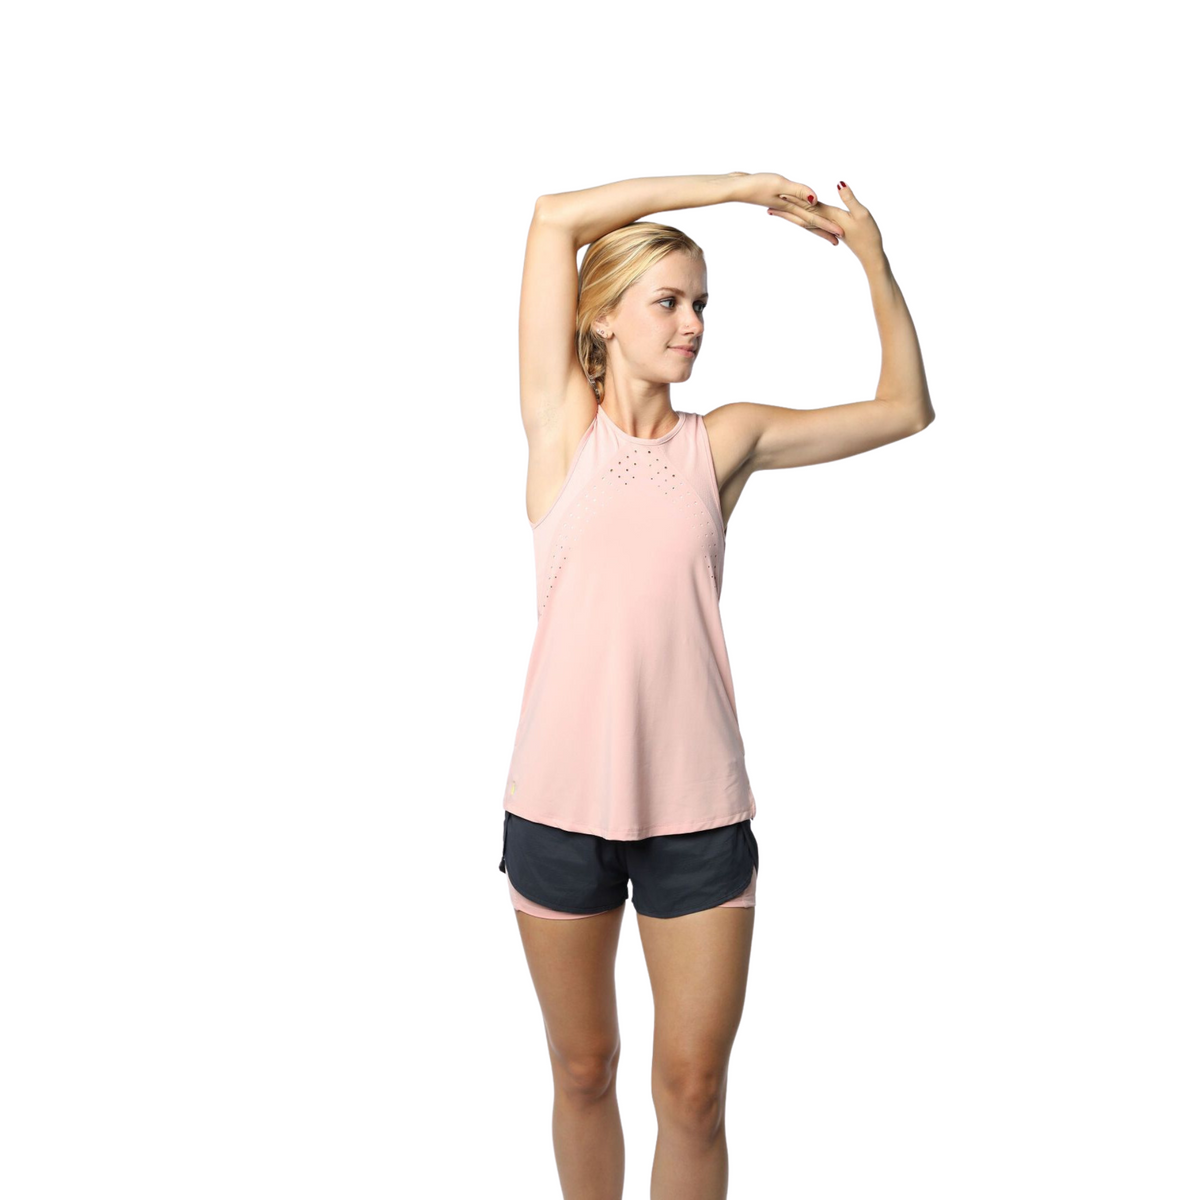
{"x":810,"y":199}
{"x":841,"y":185}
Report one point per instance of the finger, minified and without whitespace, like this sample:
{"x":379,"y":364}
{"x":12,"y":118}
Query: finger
{"x":815,"y":217}
{"x":812,"y":211}
{"x":848,"y":196}
{"x":779,"y":212}
{"x":800,"y":191}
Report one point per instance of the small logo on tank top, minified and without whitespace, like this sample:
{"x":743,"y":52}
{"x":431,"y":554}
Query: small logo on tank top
{"x":512,"y":790}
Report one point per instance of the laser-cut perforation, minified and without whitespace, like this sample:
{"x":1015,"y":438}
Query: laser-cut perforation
{"x":581,"y":511}
{"x":634,"y":463}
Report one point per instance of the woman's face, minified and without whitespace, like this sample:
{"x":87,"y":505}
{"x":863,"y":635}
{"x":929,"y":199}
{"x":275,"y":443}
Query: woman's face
{"x":660,"y":312}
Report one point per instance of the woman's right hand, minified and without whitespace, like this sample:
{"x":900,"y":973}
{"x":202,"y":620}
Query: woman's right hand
{"x":768,"y":189}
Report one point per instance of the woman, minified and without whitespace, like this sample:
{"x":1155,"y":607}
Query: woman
{"x":628,"y":763}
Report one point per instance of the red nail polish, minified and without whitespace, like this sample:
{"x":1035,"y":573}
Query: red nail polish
{"x":810,"y":199}
{"x":841,"y":185}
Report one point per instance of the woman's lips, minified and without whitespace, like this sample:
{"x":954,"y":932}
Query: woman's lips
{"x":684,"y":350}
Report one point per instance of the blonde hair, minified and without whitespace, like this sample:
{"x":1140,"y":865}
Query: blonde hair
{"x":610,"y":266}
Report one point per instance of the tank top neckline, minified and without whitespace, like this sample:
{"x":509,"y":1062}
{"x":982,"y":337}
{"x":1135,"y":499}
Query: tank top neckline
{"x":643,"y":441}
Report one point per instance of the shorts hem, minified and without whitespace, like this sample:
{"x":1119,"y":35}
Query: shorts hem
{"x":580,"y":912}
{"x":566,"y":912}
{"x":703,"y":907}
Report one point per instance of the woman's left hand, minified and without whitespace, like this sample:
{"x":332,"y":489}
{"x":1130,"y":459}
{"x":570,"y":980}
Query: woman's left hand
{"x":790,"y":199}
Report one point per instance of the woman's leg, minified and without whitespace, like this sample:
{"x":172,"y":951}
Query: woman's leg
{"x":573,"y":965}
{"x":698,"y":968}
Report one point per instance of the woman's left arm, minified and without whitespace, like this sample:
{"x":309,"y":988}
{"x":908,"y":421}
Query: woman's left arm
{"x":762,"y":437}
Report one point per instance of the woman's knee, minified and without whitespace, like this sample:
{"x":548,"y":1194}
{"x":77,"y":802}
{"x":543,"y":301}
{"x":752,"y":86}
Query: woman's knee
{"x":585,"y":1075}
{"x":691,"y":1095}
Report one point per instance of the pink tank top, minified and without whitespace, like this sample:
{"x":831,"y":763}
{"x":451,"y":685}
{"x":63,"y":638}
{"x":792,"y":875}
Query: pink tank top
{"x":628,"y":726}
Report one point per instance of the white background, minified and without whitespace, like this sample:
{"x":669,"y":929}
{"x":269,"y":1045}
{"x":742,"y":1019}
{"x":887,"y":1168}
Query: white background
{"x":269,"y":594}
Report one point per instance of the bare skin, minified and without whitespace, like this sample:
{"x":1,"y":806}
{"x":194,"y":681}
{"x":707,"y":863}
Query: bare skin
{"x":698,"y":966}
{"x":572,"y":964}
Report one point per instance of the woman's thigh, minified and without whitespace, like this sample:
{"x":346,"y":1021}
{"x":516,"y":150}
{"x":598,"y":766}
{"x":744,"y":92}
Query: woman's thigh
{"x":573,"y":967}
{"x":699,"y":966}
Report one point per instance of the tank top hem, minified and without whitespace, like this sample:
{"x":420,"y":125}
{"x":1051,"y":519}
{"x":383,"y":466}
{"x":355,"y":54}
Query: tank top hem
{"x":636,"y":833}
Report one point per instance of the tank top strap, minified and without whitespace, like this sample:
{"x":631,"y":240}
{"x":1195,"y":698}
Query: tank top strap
{"x":695,"y":456}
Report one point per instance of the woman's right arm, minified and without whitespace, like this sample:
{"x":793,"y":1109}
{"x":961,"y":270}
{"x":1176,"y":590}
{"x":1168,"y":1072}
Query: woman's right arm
{"x":563,"y":222}
{"x":551,"y":377}
{"x":592,"y":212}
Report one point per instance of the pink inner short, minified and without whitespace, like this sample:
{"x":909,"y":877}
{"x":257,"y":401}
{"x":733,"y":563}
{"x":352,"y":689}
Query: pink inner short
{"x":745,"y":900}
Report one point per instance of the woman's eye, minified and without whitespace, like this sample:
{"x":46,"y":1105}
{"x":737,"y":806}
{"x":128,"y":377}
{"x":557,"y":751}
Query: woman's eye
{"x":671,"y":300}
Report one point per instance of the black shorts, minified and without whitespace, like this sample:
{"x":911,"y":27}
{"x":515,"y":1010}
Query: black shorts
{"x":673,"y":874}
